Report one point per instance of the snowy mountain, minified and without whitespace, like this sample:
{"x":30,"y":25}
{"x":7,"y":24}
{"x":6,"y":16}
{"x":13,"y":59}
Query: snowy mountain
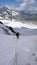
{"x":6,"y":13}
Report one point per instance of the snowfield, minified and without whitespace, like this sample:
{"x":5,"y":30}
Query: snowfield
{"x":22,"y":51}
{"x":19,"y":24}
{"x":13,"y":51}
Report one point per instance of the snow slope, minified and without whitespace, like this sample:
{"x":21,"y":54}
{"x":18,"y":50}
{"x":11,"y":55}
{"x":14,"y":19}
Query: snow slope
{"x":22,"y":51}
{"x":23,"y":31}
{"x":13,"y":51}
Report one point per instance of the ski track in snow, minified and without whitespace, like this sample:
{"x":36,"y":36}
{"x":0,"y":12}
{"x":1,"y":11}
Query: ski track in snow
{"x":24,"y":48}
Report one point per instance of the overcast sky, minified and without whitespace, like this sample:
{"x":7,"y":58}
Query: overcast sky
{"x":20,"y":4}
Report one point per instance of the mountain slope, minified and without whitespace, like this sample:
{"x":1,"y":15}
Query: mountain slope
{"x":5,"y":29}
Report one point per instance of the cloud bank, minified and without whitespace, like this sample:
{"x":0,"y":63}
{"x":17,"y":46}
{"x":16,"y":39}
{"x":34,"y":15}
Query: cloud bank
{"x":27,"y":5}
